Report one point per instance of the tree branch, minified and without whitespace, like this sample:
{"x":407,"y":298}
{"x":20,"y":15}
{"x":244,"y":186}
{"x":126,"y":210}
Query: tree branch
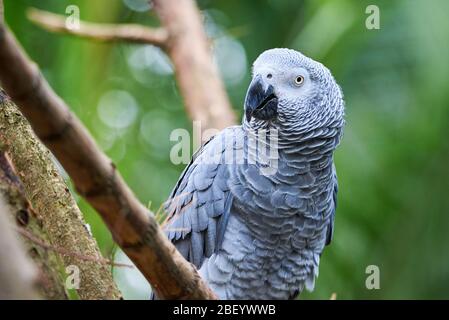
{"x":198,"y":78}
{"x":51,"y":267}
{"x":99,"y":32}
{"x":51,"y":200}
{"x":96,"y":179}
{"x":185,"y":42}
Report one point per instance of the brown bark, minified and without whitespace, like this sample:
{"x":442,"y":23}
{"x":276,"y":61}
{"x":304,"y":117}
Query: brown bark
{"x":197,"y":75}
{"x":96,"y":179}
{"x":55,"y":207}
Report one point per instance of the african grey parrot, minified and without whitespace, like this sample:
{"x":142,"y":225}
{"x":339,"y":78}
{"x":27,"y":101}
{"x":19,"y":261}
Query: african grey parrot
{"x":255,"y":233}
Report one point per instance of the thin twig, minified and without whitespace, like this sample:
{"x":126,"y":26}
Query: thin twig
{"x":64,"y":251}
{"x":99,"y":32}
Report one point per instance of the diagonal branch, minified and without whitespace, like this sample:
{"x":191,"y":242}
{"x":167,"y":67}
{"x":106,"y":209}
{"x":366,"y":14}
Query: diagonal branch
{"x":95,"y":177}
{"x":99,"y":32}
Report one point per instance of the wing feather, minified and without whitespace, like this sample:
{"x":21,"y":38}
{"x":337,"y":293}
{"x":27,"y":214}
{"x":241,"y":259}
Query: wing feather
{"x":199,"y":205}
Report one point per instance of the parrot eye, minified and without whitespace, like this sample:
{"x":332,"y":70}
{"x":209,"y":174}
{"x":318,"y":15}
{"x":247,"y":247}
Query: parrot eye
{"x":299,"y":80}
{"x":269,"y":76}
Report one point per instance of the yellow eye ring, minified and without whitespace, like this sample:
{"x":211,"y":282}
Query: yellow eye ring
{"x":299,"y":80}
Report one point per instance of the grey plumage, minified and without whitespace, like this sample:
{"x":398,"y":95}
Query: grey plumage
{"x":254,"y":235}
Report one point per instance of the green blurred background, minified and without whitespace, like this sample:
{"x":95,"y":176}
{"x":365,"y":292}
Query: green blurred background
{"x":392,"y":164}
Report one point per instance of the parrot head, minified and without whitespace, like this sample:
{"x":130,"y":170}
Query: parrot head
{"x":292,"y":89}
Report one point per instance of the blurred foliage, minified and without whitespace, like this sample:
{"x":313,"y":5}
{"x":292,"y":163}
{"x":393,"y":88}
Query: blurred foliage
{"x":393,"y":205}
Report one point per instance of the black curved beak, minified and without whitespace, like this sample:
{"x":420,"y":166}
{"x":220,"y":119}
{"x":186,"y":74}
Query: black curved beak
{"x":260,"y":102}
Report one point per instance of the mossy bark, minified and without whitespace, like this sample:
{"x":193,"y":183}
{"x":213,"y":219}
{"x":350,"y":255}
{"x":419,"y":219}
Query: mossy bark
{"x":50,"y":278}
{"x":54,"y":205}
